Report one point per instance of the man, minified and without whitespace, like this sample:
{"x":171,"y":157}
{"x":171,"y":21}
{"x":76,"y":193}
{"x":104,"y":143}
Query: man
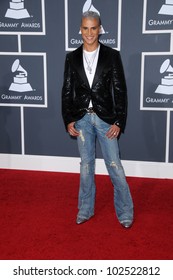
{"x":94,"y":102}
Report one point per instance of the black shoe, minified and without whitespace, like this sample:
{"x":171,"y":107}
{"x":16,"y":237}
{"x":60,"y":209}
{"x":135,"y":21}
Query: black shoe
{"x":126,"y":223}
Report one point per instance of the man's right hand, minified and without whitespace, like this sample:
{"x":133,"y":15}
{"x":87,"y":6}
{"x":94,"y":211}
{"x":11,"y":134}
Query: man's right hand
{"x":71,"y":129}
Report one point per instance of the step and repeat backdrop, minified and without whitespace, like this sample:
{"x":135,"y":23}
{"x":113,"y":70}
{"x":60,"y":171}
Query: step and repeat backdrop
{"x":35,"y":36}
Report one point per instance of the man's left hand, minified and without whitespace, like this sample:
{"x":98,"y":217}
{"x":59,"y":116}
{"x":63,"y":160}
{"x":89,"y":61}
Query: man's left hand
{"x":113,"y":132}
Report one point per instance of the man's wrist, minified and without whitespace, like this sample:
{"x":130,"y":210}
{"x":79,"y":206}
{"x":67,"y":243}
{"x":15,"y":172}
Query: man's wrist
{"x":117,"y":123}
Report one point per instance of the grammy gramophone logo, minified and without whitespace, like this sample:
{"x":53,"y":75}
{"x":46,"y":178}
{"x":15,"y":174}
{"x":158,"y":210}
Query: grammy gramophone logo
{"x":88,"y":6}
{"x":167,"y":8}
{"x":20,"y":80}
{"x":166,"y":85}
{"x":17,"y":10}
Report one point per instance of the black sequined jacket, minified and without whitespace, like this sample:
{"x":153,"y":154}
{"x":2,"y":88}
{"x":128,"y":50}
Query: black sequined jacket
{"x":108,"y":92}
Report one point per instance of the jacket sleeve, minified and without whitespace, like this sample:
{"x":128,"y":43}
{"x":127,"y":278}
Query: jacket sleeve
{"x":119,"y":91}
{"x":67,"y":93}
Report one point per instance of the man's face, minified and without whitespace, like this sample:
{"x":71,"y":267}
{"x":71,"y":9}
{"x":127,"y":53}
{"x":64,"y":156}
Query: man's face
{"x":90,"y":29}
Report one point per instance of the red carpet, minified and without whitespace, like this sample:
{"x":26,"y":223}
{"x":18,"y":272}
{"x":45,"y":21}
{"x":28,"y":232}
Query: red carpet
{"x":38,"y":212}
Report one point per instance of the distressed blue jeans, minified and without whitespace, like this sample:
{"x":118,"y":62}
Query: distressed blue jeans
{"x":90,"y":128}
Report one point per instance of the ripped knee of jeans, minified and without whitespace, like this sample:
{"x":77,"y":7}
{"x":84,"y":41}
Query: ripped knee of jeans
{"x":113,"y":164}
{"x":87,"y":167}
{"x":119,"y":170}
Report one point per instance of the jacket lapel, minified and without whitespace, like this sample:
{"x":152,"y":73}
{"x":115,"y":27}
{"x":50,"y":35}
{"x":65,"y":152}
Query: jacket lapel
{"x":78,"y":63}
{"x":100,"y":65}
